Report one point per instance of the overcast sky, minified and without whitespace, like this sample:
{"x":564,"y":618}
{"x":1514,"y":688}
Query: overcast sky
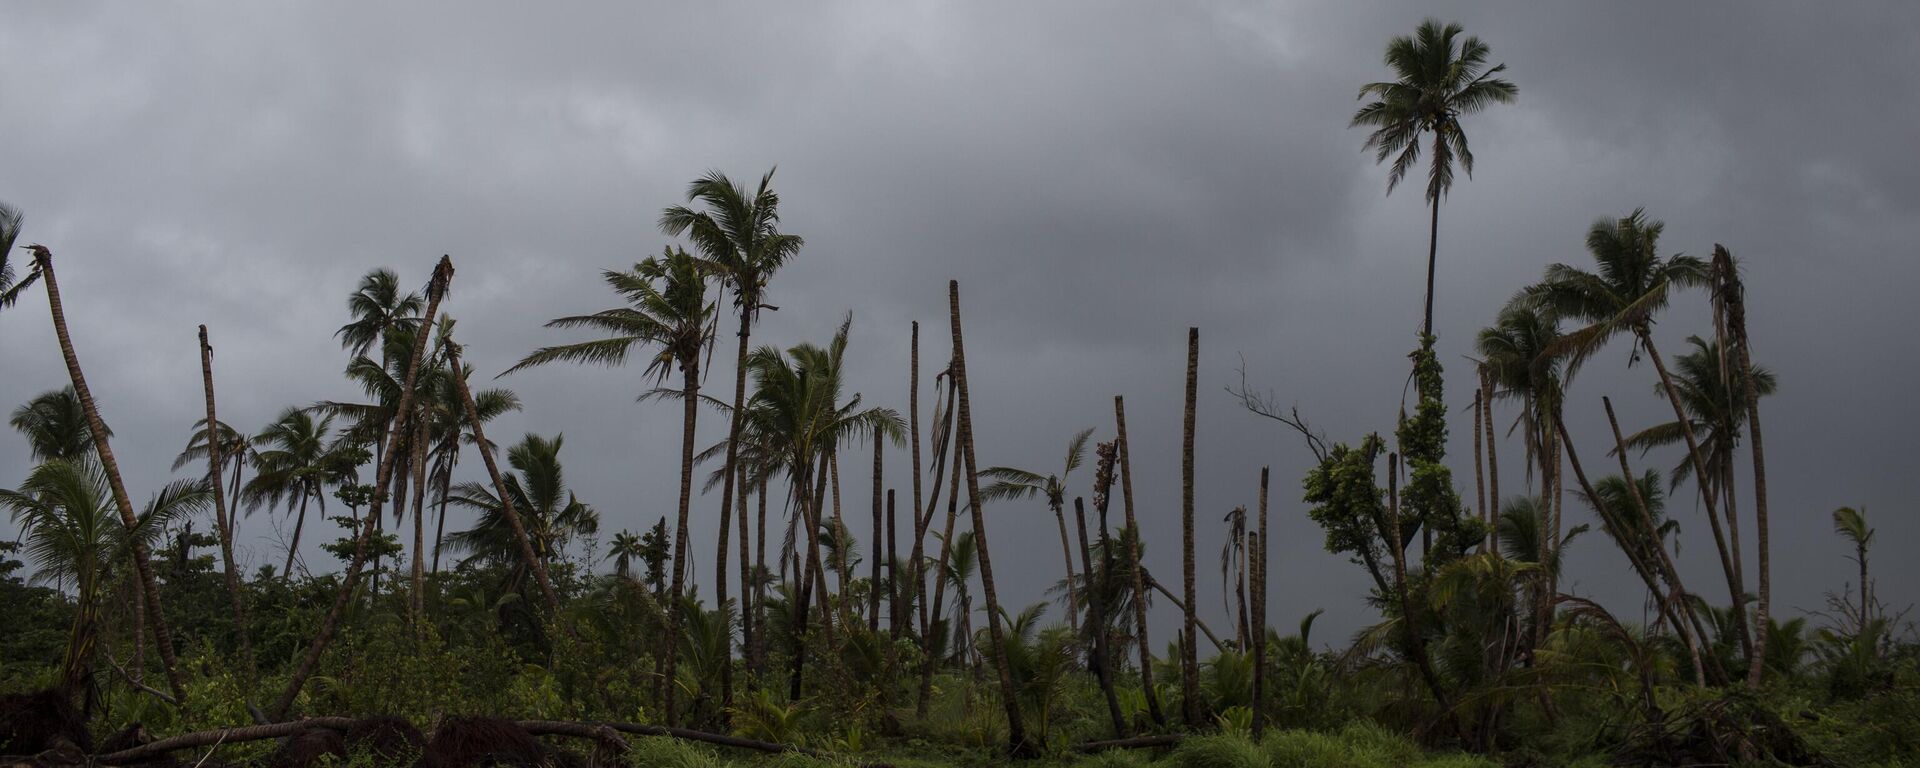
{"x":1099,"y":177}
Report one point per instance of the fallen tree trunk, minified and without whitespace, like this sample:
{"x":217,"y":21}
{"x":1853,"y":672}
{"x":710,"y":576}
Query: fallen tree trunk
{"x":590,"y":730}
{"x":199,"y":739}
{"x":1137,"y":742}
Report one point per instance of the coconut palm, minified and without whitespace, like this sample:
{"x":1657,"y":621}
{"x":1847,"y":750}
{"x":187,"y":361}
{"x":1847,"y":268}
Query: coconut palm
{"x":1437,"y":79}
{"x":378,"y":308}
{"x":625,"y":549}
{"x":292,"y":471}
{"x":963,"y":565}
{"x":552,"y":515}
{"x":1013,"y":483}
{"x":236,"y":449}
{"x":450,"y":429}
{"x":10,"y":219}
{"x":738,"y":235}
{"x":55,"y":426}
{"x":1851,"y":524}
{"x":65,"y":513}
{"x":667,"y":307}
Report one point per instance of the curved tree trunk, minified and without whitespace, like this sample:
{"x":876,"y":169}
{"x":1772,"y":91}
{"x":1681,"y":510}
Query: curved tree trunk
{"x":1017,"y":744}
{"x":1733,"y":294}
{"x":1189,"y":651}
{"x":442,"y":275}
{"x":928,"y":661}
{"x":299,"y":523}
{"x":690,"y":391}
{"x":162,"y":638}
{"x":1493,"y":465}
{"x":1139,"y":577}
{"x":232,"y":573}
{"x":1066,"y":551}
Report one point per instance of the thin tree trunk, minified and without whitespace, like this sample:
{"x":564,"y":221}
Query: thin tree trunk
{"x":690,"y":371}
{"x":759,"y":652}
{"x":1703,"y":673}
{"x":1066,"y":551}
{"x":440,"y":520}
{"x":732,"y":474}
{"x":534,"y":563}
{"x":928,"y":661}
{"x":943,"y":445}
{"x":1139,"y":578}
{"x":748,"y":602}
{"x":1433,"y":247}
{"x":1479,"y":467}
{"x":1260,"y":615}
{"x":919,"y":593}
{"x":232,"y":573}
{"x":1189,"y":659}
{"x":419,"y":585}
{"x":1735,"y":588}
{"x":442,"y":274}
{"x":873,"y":568}
{"x":1097,"y":624}
{"x":299,"y":522}
{"x":1017,"y":745}
{"x":1493,"y":465}
{"x":1201,"y":624}
{"x":895,"y":594}
{"x":139,"y":632}
{"x":1734,"y":298}
{"x":162,"y":639}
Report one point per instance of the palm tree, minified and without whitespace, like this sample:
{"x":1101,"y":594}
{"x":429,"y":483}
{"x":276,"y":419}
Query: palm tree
{"x":450,"y":430}
{"x":625,"y":549}
{"x":1012,"y":483}
{"x":236,"y":449}
{"x":1851,"y":524}
{"x":293,"y":471}
{"x":1189,"y":656}
{"x":551,"y":513}
{"x":667,"y":307}
{"x":1137,"y":573}
{"x":55,"y":426}
{"x":103,"y":450}
{"x":1629,"y":286}
{"x":1515,"y":360}
{"x":963,"y":563}
{"x":10,"y":218}
{"x":64,"y":512}
{"x":221,"y":518}
{"x":738,"y":235}
{"x":378,"y":308}
{"x":475,"y":422}
{"x":1437,"y":78}
{"x":1730,"y":304}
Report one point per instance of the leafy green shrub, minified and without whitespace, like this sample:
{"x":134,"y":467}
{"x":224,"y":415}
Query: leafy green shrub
{"x":1219,"y":751}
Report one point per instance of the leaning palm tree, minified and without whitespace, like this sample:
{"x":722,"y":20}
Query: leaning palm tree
{"x":55,"y":426}
{"x":103,"y":451}
{"x":65,"y":513}
{"x":10,"y":288}
{"x":1013,"y":483}
{"x":1437,"y":78}
{"x":1629,"y":286}
{"x":737,"y":234}
{"x":667,"y":307}
{"x":292,"y":471}
{"x":551,"y":514}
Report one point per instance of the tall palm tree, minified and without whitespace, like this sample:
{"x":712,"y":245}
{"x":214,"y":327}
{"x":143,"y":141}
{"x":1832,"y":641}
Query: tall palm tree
{"x":1730,"y":315}
{"x":625,"y":549}
{"x":963,"y":565}
{"x":1189,"y":655}
{"x":220,"y":505}
{"x":1013,"y":483}
{"x":1629,"y":286}
{"x":293,"y":471}
{"x":103,"y":450}
{"x":667,"y":307}
{"x":1137,"y":573}
{"x":737,"y":233}
{"x":551,"y":513}
{"x":55,"y":426}
{"x":378,"y":308}
{"x":65,"y":514}
{"x":10,"y":219}
{"x":1437,"y":79}
{"x":450,"y":431}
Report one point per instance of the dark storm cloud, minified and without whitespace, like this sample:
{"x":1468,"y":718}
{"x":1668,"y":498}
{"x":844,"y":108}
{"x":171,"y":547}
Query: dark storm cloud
{"x":1099,"y":177}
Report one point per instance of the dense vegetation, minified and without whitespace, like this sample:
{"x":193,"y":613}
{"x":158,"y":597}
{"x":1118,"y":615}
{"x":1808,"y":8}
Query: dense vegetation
{"x":898,"y":648}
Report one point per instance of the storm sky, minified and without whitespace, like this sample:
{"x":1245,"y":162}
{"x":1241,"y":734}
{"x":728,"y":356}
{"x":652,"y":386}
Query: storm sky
{"x":1098,"y":176}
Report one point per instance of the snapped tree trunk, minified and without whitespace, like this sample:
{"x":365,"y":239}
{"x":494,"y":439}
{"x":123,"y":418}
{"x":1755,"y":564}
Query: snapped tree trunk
{"x":928,"y":660}
{"x":1493,"y":464}
{"x":690,"y":389}
{"x":873,"y":567}
{"x":442,"y":275}
{"x":419,"y":579}
{"x":1066,"y":551}
{"x":1097,"y":624}
{"x":232,"y":572}
{"x":1139,"y":576}
{"x":1260,"y":614}
{"x":1734,"y":299}
{"x":1189,"y":657}
{"x":162,"y":638}
{"x":1017,"y":744}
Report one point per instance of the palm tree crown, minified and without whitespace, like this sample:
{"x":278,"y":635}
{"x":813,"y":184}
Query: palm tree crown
{"x":1437,"y":78}
{"x":55,"y":426}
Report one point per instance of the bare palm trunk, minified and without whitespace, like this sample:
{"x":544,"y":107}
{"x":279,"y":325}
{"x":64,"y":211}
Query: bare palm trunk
{"x":1097,"y":625}
{"x":293,"y":547}
{"x":1066,"y":551}
{"x":759,"y":647}
{"x":1189,"y":656}
{"x":844,"y":571}
{"x":440,"y":519}
{"x":1702,"y":479}
{"x":896,"y":594}
{"x":1139,"y":577}
{"x":928,"y":661}
{"x":748,"y":602}
{"x":690,"y":391}
{"x":919,"y":591}
{"x":873,"y":568}
{"x":1702,"y":673}
{"x":419,"y":575}
{"x":232,"y":573}
{"x":1433,"y":247}
{"x":533,"y":560}
{"x":442,"y":275}
{"x":1493,"y":466}
{"x":1260,"y":615}
{"x":1479,"y":466}
{"x":1733,"y":296}
{"x":1017,"y":745}
{"x":162,"y":639}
